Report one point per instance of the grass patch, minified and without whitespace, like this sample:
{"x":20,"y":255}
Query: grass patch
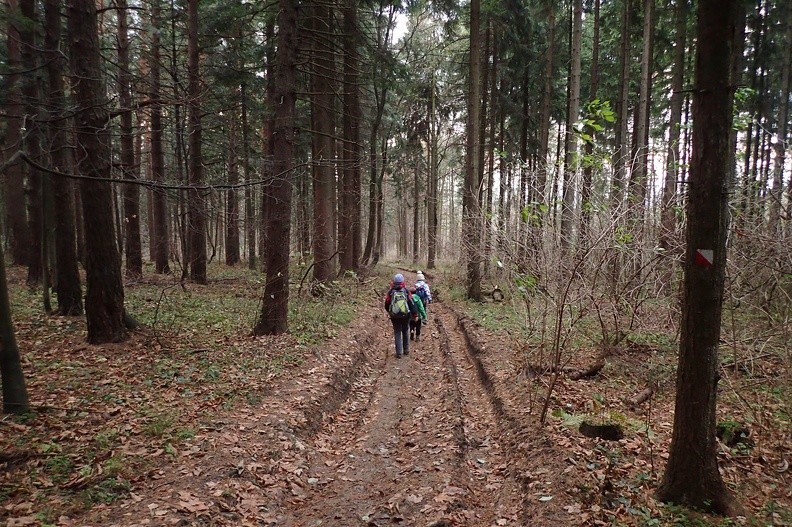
{"x":105,"y":491}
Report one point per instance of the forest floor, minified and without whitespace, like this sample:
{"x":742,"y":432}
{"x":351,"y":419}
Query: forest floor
{"x":192,"y":421}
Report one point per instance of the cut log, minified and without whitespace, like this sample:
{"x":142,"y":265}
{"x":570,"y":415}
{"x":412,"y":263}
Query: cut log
{"x":641,"y":397}
{"x":590,"y":371}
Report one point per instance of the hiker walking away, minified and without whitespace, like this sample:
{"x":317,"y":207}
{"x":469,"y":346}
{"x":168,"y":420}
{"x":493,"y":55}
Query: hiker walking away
{"x":400,"y":308}
{"x":419,"y":319}
{"x":423,"y":290}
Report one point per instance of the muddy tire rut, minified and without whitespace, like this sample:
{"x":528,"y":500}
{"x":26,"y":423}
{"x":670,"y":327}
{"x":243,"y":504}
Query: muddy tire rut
{"x":416,"y":442}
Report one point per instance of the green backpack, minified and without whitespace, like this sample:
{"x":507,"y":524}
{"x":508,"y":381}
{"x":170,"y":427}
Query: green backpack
{"x":399,"y":308}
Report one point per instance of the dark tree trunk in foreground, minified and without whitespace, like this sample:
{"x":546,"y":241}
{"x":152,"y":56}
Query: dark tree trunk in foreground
{"x":15,"y":397}
{"x":68,"y":278}
{"x":104,"y":302}
{"x":274,"y":311}
{"x":691,"y":477}
{"x":131,"y":193}
{"x":471,"y":211}
{"x":160,"y":238}
{"x":196,"y":216}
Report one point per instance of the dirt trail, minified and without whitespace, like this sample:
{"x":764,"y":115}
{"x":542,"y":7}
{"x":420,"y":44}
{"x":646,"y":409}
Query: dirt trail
{"x":354,"y":436}
{"x":416,"y":443}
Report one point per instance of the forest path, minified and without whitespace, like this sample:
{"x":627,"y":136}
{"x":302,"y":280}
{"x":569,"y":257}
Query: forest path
{"x":415,"y":443}
{"x":351,"y":437}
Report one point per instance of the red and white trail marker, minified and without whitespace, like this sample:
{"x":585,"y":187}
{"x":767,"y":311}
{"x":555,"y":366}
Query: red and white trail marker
{"x":704,"y":257}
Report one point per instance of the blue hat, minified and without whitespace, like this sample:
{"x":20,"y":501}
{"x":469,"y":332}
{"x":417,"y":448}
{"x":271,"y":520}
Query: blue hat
{"x":398,"y":278}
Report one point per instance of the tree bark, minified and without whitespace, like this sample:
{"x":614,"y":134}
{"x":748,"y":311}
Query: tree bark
{"x":131,"y":192}
{"x":274,"y":311}
{"x":432,"y":201}
{"x":471,"y":212}
{"x":160,"y":237}
{"x":250,"y":193}
{"x":691,"y":476}
{"x":68,"y":278}
{"x":350,"y":249}
{"x":196,"y":215}
{"x":323,"y":124}
{"x":232,"y":201}
{"x":637,"y":190}
{"x":104,"y":302}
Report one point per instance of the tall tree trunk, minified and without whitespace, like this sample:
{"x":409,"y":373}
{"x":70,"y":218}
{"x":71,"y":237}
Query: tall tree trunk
{"x":667,"y":212}
{"x":132,"y":245}
{"x":104,"y":301}
{"x":571,"y":140}
{"x":691,"y":477}
{"x":495,"y":110}
{"x":232,"y":201}
{"x":160,"y":237}
{"x":266,"y":147}
{"x":18,"y":231}
{"x":471,"y":212}
{"x":68,"y":278}
{"x":621,"y":149}
{"x":777,"y":192}
{"x":432,"y":202}
{"x":547,"y":99}
{"x":250,"y":194}
{"x":380,"y":243}
{"x":737,"y":72}
{"x":32,"y":138}
{"x":275,"y":306}
{"x":323,"y":125}
{"x":588,"y":170}
{"x":15,"y":396}
{"x":196,"y":215}
{"x":380,"y":91}
{"x":639,"y":173}
{"x":416,"y":200}
{"x":350,"y":248}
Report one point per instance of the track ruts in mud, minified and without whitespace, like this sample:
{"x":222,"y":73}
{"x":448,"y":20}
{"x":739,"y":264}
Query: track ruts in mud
{"x":415,"y":443}
{"x":352,"y":437}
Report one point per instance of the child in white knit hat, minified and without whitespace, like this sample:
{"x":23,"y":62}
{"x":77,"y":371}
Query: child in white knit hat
{"x":423,"y":290}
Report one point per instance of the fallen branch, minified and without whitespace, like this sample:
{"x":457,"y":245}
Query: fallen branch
{"x":641,"y":397}
{"x":590,"y":371}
